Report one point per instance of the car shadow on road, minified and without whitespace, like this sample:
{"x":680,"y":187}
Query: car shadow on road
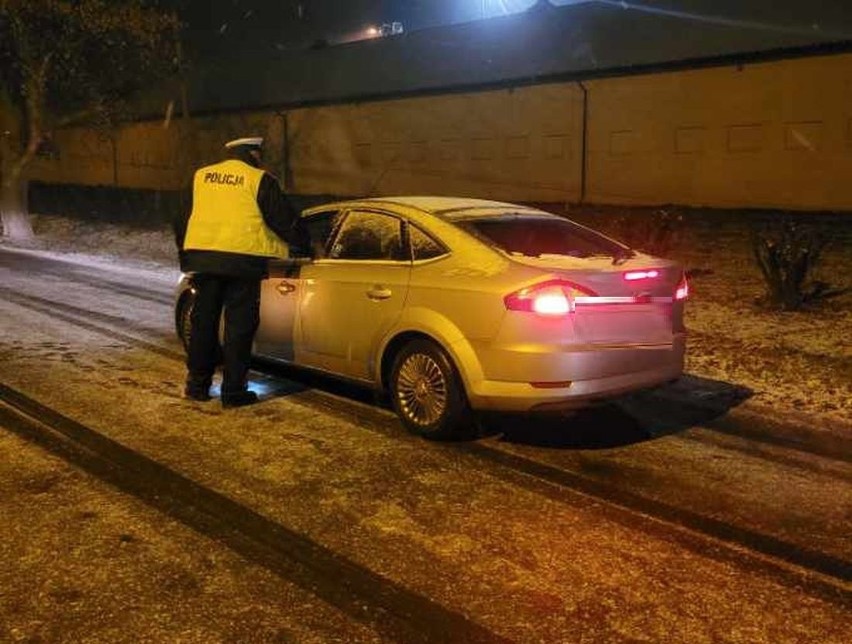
{"x":690,"y":401}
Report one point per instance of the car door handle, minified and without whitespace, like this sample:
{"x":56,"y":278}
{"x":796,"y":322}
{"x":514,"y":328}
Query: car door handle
{"x":284,"y":287}
{"x":379,"y":293}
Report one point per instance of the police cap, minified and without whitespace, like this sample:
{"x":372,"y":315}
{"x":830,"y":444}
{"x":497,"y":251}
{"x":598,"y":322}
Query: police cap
{"x":249,"y":141}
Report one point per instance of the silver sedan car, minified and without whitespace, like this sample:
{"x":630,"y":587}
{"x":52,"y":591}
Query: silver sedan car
{"x":458,"y":305}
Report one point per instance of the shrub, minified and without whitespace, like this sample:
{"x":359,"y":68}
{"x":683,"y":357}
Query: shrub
{"x":787,"y":250}
{"x":656,"y":232}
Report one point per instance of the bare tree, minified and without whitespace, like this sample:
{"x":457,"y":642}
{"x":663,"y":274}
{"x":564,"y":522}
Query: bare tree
{"x":71,"y":62}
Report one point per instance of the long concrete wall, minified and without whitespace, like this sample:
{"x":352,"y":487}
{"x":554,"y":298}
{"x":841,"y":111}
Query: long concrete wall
{"x":521,"y":144}
{"x":769,"y":135}
{"x":774,"y":134}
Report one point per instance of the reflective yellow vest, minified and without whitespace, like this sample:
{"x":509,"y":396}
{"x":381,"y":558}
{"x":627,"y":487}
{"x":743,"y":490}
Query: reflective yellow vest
{"x":225,"y":215}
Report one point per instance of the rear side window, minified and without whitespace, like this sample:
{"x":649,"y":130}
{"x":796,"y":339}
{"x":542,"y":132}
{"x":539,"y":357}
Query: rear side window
{"x":536,"y":236}
{"x":422,"y":245}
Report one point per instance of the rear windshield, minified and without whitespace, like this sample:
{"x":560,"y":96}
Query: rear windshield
{"x":536,"y":236}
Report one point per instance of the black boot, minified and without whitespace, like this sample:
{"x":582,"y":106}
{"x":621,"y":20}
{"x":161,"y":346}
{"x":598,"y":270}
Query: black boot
{"x":239,"y":398}
{"x":197,"y":389}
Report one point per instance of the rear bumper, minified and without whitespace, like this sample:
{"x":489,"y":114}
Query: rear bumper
{"x":594,"y":373}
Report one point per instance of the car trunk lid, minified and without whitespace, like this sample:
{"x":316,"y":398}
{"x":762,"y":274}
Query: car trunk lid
{"x":628,"y":301}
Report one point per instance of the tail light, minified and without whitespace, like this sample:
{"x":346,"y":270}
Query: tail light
{"x":682,"y":290}
{"x":632,"y":276}
{"x":552,"y":298}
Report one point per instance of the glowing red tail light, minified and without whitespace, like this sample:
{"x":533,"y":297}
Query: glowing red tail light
{"x":552,"y":298}
{"x":682,"y":290}
{"x":650,"y":274}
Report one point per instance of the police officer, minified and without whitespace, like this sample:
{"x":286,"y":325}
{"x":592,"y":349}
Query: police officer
{"x":238,"y":219}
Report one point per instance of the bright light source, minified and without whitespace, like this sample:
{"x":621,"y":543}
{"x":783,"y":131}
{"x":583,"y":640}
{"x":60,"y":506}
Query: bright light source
{"x":641,"y":275}
{"x":554,"y":297}
{"x":682,"y":291}
{"x":551,"y":302}
{"x":372,"y":32}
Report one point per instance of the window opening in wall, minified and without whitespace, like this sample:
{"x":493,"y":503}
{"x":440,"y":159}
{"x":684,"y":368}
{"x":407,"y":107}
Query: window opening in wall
{"x":804,"y":135}
{"x":745,"y":138}
{"x":690,"y":139}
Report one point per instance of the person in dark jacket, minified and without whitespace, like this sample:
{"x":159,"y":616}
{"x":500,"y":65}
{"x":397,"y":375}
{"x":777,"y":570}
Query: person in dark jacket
{"x":238,"y":219}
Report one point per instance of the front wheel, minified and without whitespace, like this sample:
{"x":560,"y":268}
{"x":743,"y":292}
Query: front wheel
{"x":183,"y":319}
{"x":183,"y":324}
{"x":427,"y":392}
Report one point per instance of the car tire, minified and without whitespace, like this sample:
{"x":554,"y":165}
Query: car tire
{"x":427,"y":392}
{"x":183,"y":319}
{"x":183,"y":324}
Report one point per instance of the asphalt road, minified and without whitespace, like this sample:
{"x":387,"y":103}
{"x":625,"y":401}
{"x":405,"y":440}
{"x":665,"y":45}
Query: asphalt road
{"x":130,"y":514}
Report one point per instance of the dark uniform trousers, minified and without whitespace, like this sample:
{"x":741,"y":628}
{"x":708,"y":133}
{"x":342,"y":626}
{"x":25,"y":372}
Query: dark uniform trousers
{"x":239,"y":297}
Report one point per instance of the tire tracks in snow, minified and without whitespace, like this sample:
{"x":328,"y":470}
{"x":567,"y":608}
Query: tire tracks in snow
{"x":818,"y":573}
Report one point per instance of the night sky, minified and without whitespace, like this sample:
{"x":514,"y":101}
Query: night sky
{"x":218,"y":26}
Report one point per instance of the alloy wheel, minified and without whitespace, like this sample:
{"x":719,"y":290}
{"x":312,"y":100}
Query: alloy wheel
{"x":421,"y":390}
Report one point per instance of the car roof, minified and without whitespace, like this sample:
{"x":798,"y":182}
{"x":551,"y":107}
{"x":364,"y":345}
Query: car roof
{"x":435,"y":205}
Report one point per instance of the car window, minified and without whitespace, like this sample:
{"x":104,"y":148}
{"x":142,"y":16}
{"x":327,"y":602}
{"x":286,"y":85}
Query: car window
{"x":422,"y":245}
{"x":368,"y":235}
{"x":320,"y":227}
{"x":535,"y":236}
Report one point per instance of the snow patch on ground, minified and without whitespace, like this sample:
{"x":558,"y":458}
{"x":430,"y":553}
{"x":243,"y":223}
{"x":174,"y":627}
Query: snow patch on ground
{"x":147,"y":254}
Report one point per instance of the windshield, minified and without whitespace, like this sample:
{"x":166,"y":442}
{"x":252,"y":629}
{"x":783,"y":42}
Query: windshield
{"x":541,"y":235}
